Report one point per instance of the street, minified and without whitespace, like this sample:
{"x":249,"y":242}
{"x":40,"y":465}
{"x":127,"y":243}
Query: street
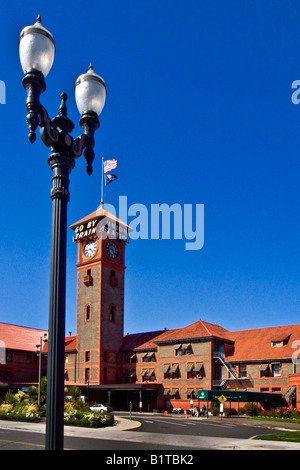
{"x":144,"y":432}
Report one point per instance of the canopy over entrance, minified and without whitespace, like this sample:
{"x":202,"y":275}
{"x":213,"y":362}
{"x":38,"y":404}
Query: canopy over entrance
{"x":240,"y":396}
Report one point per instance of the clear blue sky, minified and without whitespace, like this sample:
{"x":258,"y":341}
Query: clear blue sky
{"x":198,"y":111}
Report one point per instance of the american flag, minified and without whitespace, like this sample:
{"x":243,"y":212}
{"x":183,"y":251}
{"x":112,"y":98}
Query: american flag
{"x":109,"y":165}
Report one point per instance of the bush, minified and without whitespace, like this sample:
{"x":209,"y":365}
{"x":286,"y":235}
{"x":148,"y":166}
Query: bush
{"x":15,"y":415}
{"x":249,"y":409}
{"x":73,"y":417}
{"x":281,"y":413}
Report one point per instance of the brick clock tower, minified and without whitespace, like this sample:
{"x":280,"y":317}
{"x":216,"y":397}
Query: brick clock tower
{"x":101,"y":240}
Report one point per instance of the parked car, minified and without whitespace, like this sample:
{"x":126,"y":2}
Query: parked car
{"x":100,"y":408}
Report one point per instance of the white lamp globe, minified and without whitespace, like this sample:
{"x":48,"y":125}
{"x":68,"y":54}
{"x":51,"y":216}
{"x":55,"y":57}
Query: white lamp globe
{"x":36,"y":48}
{"x":90,"y":92}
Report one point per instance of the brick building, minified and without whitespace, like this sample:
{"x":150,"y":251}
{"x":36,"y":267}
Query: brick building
{"x":166,"y":368}
{"x":158,"y":369}
{"x":19,"y":356}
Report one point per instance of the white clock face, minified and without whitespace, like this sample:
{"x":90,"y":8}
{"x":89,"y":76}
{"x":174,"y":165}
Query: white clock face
{"x":112,"y":249}
{"x":90,"y":249}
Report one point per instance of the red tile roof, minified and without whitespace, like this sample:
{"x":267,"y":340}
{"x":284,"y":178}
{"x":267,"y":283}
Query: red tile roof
{"x":141,"y":340}
{"x":199,"y":329}
{"x":20,"y":337}
{"x":70,"y":344}
{"x":256,"y":344}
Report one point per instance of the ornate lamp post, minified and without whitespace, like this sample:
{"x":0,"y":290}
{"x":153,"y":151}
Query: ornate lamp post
{"x":37,"y":50}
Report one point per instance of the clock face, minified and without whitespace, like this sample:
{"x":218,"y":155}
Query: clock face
{"x":90,"y":249}
{"x":112,"y":249}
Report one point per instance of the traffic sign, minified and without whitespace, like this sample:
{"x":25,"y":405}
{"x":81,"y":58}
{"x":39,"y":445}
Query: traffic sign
{"x":222,"y":399}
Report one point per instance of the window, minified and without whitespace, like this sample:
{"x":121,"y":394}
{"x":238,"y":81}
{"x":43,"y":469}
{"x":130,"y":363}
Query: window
{"x":113,"y":279}
{"x":175,"y":371}
{"x":276,"y":370}
{"x":166,"y":372}
{"x":183,"y":350}
{"x":145,"y":357}
{"x":87,"y":279}
{"x":277,"y":344}
{"x":264,"y":370}
{"x":144,"y":375}
{"x":86,"y":375}
{"x":190,"y":370}
{"x":87,"y":356}
{"x":88,"y":312}
{"x":112,"y":313}
{"x":242,"y":371}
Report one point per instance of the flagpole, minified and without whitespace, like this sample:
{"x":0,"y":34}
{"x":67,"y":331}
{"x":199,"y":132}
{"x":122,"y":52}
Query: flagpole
{"x":102,"y":184}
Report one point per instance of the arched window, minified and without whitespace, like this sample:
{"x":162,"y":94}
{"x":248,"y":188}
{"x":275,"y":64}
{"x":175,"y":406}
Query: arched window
{"x":88,"y":312}
{"x":112,"y":313}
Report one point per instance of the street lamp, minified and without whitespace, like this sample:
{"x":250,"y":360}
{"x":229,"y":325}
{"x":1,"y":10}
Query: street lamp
{"x":37,"y":50}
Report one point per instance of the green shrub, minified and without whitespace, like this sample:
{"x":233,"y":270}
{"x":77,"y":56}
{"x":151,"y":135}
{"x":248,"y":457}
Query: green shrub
{"x":73,"y":417}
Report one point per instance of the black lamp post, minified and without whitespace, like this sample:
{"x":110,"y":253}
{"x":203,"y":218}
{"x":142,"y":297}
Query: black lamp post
{"x":37,"y":50}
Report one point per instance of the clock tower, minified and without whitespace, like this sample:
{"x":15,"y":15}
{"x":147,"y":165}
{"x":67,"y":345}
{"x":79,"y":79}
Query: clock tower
{"x":101,"y":239}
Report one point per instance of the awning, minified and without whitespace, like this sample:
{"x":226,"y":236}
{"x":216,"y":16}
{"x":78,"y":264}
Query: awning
{"x":190,"y":366}
{"x":166,"y":368}
{"x":174,"y":368}
{"x":178,"y":347}
{"x":166,"y":391}
{"x":174,"y":391}
{"x":144,"y":355}
{"x":198,"y":366}
{"x":144,"y":372}
{"x":290,"y":393}
{"x":151,"y":371}
{"x":264,"y":367}
{"x":186,"y":346}
{"x":190,"y":391}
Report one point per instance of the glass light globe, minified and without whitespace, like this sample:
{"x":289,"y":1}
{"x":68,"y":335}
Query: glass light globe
{"x":36,"y":48}
{"x":90,"y":92}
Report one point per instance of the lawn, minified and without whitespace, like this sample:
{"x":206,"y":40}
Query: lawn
{"x":290,"y":436}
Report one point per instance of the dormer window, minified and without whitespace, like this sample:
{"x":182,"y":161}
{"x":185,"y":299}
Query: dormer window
{"x":276,"y":344}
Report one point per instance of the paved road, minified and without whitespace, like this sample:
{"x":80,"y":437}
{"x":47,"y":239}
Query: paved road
{"x":183,"y":436}
{"x":179,"y":424}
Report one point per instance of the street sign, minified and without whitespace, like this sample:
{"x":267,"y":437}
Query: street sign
{"x":222,"y":399}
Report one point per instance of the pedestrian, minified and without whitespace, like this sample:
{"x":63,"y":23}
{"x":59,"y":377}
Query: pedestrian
{"x":203,"y":409}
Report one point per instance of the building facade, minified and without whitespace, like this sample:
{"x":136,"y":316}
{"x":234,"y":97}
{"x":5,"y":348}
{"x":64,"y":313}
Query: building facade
{"x":20,"y":356}
{"x":161,"y":369}
{"x":151,"y":370}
